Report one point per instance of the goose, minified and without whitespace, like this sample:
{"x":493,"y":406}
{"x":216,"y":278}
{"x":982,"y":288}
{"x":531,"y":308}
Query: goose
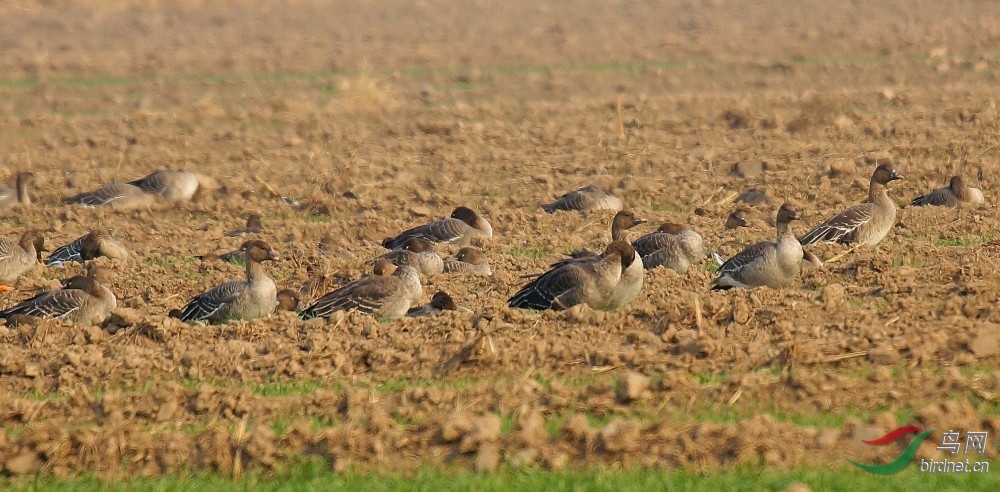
{"x":439,"y":302}
{"x":175,"y":186}
{"x":953,"y":195}
{"x":254,"y":297}
{"x":387,"y":293}
{"x":459,"y":229}
{"x":253,"y":226}
{"x":419,"y":254}
{"x":736,"y":220}
{"x":771,"y":264}
{"x":469,"y":260}
{"x":121,"y":196}
{"x":672,"y":246}
{"x":83,"y":300}
{"x":87,"y":247}
{"x":17,"y":257}
{"x":9,"y":197}
{"x":590,"y":280}
{"x":866,"y":223}
{"x":586,"y":198}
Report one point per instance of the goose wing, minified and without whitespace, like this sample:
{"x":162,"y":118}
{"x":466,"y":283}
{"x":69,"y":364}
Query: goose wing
{"x":366,"y":294}
{"x":942,"y":197}
{"x":67,"y":253}
{"x":548,"y":291}
{"x":841,"y":227}
{"x":440,"y":231}
{"x":204,"y":305}
{"x":103,"y":195}
{"x":49,"y":304}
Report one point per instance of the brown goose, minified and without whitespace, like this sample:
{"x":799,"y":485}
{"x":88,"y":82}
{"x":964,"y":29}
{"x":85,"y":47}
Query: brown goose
{"x":765,"y":263}
{"x":254,"y":297}
{"x":120,"y":196}
{"x":953,"y":195}
{"x":468,"y":260}
{"x":175,"y":186}
{"x":419,"y":254}
{"x":736,"y":219}
{"x":586,"y":198}
{"x":17,"y":257}
{"x":867,"y":223}
{"x":440,"y":302}
{"x":386,"y":294}
{"x":84,"y":300}
{"x":253,"y":226}
{"x":590,"y":280}
{"x":288,"y":300}
{"x":9,"y":197}
{"x":459,"y":229}
{"x":87,"y":247}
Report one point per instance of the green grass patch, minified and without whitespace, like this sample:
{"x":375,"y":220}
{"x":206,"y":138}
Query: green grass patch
{"x":531,"y":253}
{"x":315,"y":474}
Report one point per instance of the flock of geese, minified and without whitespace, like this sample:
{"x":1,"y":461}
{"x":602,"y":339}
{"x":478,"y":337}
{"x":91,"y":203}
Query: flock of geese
{"x":606,"y":281}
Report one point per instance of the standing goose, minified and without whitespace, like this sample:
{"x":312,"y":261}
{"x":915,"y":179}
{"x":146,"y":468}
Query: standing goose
{"x":419,"y":254}
{"x":386,"y":294}
{"x":120,"y":196}
{"x":17,"y":257}
{"x":765,"y":263}
{"x":84,"y":300}
{"x":586,"y":198}
{"x":175,"y":186}
{"x":672,"y":246}
{"x":468,"y":260}
{"x":459,"y":229}
{"x":953,"y":195}
{"x":252,"y":298}
{"x":88,"y":247}
{"x":590,"y":280}
{"x":19,"y":194}
{"x":867,"y":223}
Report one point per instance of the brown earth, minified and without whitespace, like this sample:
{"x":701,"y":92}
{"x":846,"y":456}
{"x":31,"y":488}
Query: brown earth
{"x":381,"y":115}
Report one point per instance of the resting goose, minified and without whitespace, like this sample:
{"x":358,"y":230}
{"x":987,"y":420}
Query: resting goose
{"x":953,"y":195}
{"x":672,"y":246}
{"x":121,"y":196}
{"x":459,"y":229}
{"x":765,"y":263}
{"x":591,"y":280}
{"x":288,"y":300}
{"x":175,"y":186}
{"x":253,"y":226}
{"x":419,"y":254}
{"x":468,"y":260}
{"x":586,"y":198}
{"x":9,"y":197}
{"x":17,"y":257}
{"x":440,"y":302}
{"x":736,"y":219}
{"x":388,"y":293}
{"x":87,"y":247}
{"x":254,"y":297}
{"x":867,"y":223}
{"x":83,"y":300}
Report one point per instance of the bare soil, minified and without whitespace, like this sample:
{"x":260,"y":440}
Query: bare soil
{"x":381,"y":115}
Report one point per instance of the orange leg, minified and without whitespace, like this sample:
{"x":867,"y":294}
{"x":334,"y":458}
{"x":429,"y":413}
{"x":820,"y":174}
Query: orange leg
{"x":6,"y":288}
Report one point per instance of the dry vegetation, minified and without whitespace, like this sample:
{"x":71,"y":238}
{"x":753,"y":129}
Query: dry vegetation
{"x":380,"y":115}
